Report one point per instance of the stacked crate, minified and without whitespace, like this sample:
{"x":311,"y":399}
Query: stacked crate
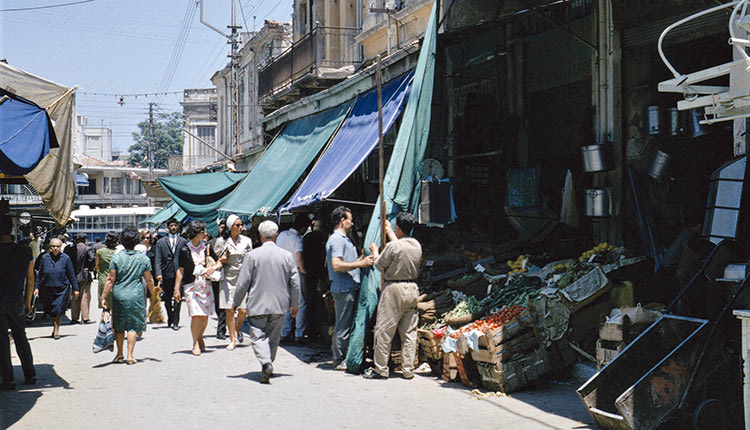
{"x":430,"y":349}
{"x":510,"y":356}
{"x":614,"y":337}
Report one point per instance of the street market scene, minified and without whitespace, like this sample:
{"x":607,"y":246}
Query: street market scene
{"x":524,"y":214}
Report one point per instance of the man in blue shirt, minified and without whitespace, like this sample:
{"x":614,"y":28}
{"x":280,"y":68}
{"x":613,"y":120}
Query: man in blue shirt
{"x":343,"y":271}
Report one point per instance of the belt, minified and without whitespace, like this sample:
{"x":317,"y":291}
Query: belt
{"x":400,"y":280}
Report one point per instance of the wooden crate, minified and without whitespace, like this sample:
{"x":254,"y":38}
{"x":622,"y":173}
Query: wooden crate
{"x":560,"y":354}
{"x":450,"y":368}
{"x":606,"y":351}
{"x":624,"y":331}
{"x":509,"y":377}
{"x":429,"y":345}
{"x":467,"y":370}
{"x":513,"y":328}
{"x":489,"y":352}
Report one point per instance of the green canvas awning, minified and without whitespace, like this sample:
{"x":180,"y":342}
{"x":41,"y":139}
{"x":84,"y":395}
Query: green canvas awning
{"x":172,"y":210}
{"x":400,"y":185}
{"x":201,"y":195}
{"x":285,"y":160}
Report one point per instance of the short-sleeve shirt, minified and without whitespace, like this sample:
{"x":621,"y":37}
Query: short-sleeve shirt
{"x":340,"y":246}
{"x":14,"y":265}
{"x":400,"y":260}
{"x":290,"y":240}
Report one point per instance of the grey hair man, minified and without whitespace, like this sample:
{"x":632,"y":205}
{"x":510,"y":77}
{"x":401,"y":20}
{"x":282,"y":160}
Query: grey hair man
{"x":270,"y":279}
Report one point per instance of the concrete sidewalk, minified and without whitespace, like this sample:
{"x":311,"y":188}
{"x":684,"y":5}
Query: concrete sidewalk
{"x":170,"y":388}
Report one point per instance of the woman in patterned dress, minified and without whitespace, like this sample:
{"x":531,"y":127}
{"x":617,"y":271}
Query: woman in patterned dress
{"x":103,"y":257}
{"x":128,"y":302}
{"x":192,"y":275}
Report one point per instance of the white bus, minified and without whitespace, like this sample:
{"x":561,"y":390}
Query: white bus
{"x":98,"y":222}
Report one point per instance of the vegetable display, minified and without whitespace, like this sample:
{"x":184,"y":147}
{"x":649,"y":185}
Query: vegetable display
{"x":521,"y":264}
{"x":491,"y":322}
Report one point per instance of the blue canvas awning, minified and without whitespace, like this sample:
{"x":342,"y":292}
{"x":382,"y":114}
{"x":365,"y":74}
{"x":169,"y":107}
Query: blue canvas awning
{"x":352,"y":144}
{"x":82,"y":180}
{"x":285,"y":160}
{"x":26,"y":135}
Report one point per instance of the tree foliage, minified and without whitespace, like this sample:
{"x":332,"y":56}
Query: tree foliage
{"x":167,"y":141}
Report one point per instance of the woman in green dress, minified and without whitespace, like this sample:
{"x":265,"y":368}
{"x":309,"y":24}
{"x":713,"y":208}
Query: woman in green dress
{"x":103,"y":257}
{"x":128,"y":301}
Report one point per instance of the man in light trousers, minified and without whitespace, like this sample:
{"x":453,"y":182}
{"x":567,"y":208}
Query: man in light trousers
{"x":397,"y":308}
{"x":270,"y":278}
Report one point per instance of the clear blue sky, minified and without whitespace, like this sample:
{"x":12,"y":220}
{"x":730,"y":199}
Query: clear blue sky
{"x":125,"y":47}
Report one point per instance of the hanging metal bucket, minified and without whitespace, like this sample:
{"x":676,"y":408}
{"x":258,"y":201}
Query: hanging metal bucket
{"x":597,"y":202}
{"x":595,"y":158}
{"x":654,"y":121}
{"x":696,"y":128}
{"x":677,"y":122}
{"x":659,"y":165}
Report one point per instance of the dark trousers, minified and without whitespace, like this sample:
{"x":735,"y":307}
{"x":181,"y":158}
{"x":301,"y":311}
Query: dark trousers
{"x":11,"y":317}
{"x":221,"y":314}
{"x":172,"y":306}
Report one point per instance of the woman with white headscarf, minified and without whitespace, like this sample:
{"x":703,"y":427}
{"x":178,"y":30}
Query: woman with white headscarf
{"x":232,"y":247}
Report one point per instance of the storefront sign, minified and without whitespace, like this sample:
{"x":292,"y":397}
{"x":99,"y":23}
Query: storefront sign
{"x":555,"y":59}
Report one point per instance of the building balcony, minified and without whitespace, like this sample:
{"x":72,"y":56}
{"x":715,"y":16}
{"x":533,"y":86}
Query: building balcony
{"x":319,"y":60}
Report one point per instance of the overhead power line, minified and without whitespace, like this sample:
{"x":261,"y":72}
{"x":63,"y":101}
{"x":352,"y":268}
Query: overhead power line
{"x":45,"y":7}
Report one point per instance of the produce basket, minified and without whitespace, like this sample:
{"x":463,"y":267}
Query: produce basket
{"x":460,"y":321}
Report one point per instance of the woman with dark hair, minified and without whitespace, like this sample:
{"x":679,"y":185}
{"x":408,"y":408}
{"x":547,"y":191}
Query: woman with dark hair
{"x":103,"y":257}
{"x":129,"y":303}
{"x":192,"y":275}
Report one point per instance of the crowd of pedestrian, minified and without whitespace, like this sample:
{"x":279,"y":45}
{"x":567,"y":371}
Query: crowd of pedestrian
{"x":276,"y":286}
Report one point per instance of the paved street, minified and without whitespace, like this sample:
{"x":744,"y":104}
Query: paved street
{"x":169,"y":388}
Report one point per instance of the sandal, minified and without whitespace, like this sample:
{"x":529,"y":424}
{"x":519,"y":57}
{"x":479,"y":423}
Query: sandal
{"x":118,"y":359}
{"x":231,"y":346}
{"x":131,"y":361}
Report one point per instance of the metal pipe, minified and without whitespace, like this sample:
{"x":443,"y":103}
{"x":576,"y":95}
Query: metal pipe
{"x":207,"y":144}
{"x":684,"y":20}
{"x":209,"y":25}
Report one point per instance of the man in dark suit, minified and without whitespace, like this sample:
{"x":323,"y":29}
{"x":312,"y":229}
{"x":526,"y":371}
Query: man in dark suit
{"x":166,"y":267}
{"x":83,"y":258}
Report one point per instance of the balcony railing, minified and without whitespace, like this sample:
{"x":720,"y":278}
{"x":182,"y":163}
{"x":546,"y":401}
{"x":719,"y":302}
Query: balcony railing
{"x":324,"y":47}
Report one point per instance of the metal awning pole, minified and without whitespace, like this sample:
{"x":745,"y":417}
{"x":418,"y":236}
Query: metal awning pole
{"x":381,"y":167}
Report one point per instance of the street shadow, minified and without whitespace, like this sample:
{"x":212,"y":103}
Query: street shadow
{"x":16,"y":404}
{"x":538,"y":394}
{"x":255,"y":376}
{"x":310,"y":352}
{"x":190,"y":351}
{"x":137,"y":360}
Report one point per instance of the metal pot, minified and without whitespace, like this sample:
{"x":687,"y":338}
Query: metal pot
{"x":696,"y":128}
{"x":677,"y":122}
{"x":654,"y":121}
{"x":659,"y":165}
{"x":595,"y":158}
{"x":597,"y":202}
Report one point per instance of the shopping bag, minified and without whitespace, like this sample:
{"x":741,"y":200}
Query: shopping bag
{"x":105,"y":336}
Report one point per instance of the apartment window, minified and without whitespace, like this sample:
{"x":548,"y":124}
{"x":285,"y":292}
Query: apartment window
{"x":116,"y":185}
{"x":93,"y":142}
{"x":90,"y":189}
{"x":208,"y":135}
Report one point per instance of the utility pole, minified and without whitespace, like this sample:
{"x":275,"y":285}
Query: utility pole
{"x":233,"y":41}
{"x":151,"y":140}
